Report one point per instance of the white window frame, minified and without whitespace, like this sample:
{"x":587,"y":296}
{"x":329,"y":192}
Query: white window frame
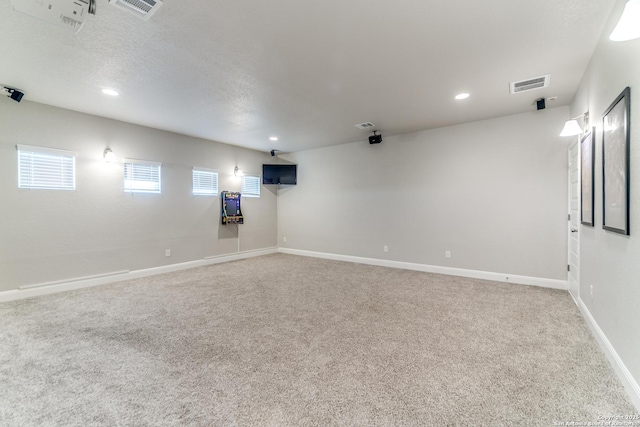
{"x":244,"y":191}
{"x":41,"y":168}
{"x":142,"y":185}
{"x":198,"y":189}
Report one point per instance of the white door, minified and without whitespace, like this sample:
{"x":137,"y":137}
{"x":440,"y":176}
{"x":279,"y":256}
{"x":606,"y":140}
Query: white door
{"x":574,"y":220}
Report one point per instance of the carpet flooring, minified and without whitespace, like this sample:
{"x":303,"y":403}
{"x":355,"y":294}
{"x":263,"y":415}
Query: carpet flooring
{"x":284,"y":340}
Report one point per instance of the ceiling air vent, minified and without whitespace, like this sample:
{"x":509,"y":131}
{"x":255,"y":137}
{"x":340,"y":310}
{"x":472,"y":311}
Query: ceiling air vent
{"x":365,"y":125}
{"x":141,"y":8}
{"x":529,"y":84}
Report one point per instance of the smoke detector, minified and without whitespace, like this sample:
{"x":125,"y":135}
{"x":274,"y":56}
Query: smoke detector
{"x":529,"y":84}
{"x":141,"y":8}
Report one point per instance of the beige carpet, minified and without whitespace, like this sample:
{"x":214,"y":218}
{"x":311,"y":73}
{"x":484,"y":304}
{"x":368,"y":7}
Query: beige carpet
{"x":286,"y":340}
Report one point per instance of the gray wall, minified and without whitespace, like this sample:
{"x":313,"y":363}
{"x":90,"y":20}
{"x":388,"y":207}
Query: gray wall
{"x":56,"y":235}
{"x":609,"y":262}
{"x":493,"y":192}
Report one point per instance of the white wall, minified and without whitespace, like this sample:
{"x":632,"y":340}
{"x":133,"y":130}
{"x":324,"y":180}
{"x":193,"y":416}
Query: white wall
{"x":610,"y":263}
{"x":57,"y":235}
{"x":492,"y":192}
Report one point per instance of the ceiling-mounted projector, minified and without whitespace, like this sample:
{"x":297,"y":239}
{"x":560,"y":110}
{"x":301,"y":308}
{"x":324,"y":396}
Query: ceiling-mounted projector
{"x":69,"y":14}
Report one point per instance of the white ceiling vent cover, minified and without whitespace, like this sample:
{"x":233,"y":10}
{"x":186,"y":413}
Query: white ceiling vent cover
{"x":365,"y":125}
{"x":529,"y":84}
{"x":141,"y":8}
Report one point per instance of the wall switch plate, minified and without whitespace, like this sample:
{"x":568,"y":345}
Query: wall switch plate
{"x":167,"y":252}
{"x":284,"y":239}
{"x":447,"y":254}
{"x":385,"y":248}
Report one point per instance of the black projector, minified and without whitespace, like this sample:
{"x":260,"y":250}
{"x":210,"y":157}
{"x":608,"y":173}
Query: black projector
{"x":375,"y":139}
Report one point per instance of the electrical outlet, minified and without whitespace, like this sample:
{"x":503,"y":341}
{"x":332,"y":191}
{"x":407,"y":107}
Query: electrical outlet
{"x":591,"y":290}
{"x":167,"y":252}
{"x":385,"y":248}
{"x":284,"y":239}
{"x":447,"y":254}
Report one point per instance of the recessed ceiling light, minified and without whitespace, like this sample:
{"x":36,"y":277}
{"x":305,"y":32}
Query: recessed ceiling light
{"x":273,"y":138}
{"x":462,"y":96}
{"x":110,"y":92}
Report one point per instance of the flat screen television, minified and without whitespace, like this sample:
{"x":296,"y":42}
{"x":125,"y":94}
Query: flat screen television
{"x":285,"y":174}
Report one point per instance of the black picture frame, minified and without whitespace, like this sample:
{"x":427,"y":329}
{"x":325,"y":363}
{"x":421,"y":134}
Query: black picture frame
{"x":587,"y":178}
{"x":616,"y":142}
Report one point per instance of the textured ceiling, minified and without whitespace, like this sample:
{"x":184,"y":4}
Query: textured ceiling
{"x":307,"y":71}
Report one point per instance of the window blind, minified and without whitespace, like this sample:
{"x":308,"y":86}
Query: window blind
{"x":205,"y":182}
{"x":46,"y":168}
{"x":141,"y":176}
{"x":250,"y":186}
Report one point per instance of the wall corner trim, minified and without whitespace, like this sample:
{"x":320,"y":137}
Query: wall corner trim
{"x":476,"y":274}
{"x":35,"y":290}
{"x":629,"y":383}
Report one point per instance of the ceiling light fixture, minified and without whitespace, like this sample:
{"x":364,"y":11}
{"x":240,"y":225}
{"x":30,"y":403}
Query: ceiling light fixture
{"x":273,"y":138}
{"x":572,"y":128}
{"x":628,"y":27}
{"x":462,"y":96}
{"x":110,"y":92}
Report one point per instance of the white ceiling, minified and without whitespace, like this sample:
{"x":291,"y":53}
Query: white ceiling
{"x":240,"y":71}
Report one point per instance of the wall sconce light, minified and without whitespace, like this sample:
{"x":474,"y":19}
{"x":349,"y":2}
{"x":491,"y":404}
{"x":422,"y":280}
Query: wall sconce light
{"x":109,"y":156}
{"x":572,"y":128}
{"x":628,"y":27}
{"x":238,"y":172}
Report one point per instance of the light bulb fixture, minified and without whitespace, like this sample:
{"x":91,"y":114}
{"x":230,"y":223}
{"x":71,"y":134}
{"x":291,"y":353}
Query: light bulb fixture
{"x":462,"y":96}
{"x":571,"y":126}
{"x":109,"y":156}
{"x":238,"y":172}
{"x":110,"y":92}
{"x":628,"y":27}
{"x":273,"y":138}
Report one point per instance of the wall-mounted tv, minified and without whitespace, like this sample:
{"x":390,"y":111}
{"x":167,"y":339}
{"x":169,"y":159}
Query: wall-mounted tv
{"x":285,"y":174}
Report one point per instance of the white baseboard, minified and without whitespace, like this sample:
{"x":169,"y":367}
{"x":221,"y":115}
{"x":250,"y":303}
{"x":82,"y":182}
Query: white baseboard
{"x":28,"y":291}
{"x":630,"y":384}
{"x":486,"y":275}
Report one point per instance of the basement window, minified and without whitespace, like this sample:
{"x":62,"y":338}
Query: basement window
{"x":250,"y":186}
{"x":205,"y":182}
{"x":141,"y":176}
{"x":46,"y":168}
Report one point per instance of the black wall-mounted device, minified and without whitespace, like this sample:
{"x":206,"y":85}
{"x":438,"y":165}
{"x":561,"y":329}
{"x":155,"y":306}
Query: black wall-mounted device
{"x":375,"y":139}
{"x":283,"y":173}
{"x":14,"y":94}
{"x":540,"y":104}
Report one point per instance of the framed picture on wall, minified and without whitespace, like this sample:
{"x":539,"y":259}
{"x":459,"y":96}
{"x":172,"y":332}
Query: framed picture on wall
{"x":615,"y":164}
{"x":587,"y":149}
